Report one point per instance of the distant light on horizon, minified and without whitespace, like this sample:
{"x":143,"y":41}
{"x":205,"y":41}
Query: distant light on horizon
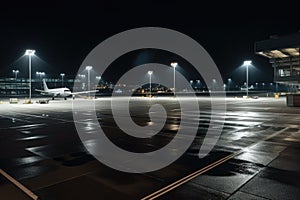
{"x":40,"y":73}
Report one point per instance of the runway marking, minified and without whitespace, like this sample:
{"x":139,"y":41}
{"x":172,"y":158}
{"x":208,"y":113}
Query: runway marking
{"x":189,"y":177}
{"x":19,"y":185}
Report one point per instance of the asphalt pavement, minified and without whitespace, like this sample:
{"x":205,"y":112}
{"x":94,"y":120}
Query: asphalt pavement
{"x":256,"y":157}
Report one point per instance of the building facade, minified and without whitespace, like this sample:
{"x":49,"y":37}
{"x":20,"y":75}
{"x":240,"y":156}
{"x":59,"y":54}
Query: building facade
{"x":283,"y":53}
{"x":20,"y":86}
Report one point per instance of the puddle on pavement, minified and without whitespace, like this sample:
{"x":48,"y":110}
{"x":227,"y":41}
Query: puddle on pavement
{"x":234,"y":167}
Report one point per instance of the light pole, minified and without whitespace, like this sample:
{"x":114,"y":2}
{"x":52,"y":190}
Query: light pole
{"x":191,"y":83}
{"x":271,"y":87}
{"x":150,"y":74}
{"x":29,"y":53}
{"x":229,"y":83}
{"x":214,"y":84}
{"x":89,"y":68}
{"x":16,"y":76}
{"x":40,"y":74}
{"x":174,"y":65}
{"x":98,"y":78}
{"x":247,"y":63}
{"x":82,"y":76}
{"x":62,"y":79}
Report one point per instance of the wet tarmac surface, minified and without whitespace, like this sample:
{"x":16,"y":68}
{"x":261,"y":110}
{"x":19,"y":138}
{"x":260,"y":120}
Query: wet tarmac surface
{"x":40,"y":148}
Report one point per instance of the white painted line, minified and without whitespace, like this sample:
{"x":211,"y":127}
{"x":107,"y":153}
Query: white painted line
{"x":205,"y":169}
{"x":19,"y":185}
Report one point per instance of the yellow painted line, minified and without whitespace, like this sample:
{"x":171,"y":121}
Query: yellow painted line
{"x":205,"y":169}
{"x":19,"y":185}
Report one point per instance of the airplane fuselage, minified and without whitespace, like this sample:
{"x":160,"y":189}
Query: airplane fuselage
{"x":58,"y":92}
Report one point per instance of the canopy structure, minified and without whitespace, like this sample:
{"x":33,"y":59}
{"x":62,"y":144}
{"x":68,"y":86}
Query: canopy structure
{"x":283,"y":53}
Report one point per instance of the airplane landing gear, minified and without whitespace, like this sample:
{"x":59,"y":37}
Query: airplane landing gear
{"x":52,"y":98}
{"x":65,"y":98}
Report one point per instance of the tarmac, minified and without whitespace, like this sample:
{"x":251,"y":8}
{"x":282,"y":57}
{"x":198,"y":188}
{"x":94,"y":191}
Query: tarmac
{"x":256,"y":157}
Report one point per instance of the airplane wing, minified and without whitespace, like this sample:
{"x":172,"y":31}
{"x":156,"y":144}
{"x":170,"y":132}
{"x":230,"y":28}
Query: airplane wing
{"x":43,"y":92}
{"x":85,"y":92}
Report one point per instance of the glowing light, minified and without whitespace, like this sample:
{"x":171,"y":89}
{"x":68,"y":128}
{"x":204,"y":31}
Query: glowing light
{"x":278,"y":54}
{"x":247,"y":62}
{"x":292,"y":51}
{"x":174,"y":64}
{"x":29,"y":52}
{"x":40,"y":73}
{"x":150,"y":72}
{"x":88,"y":68}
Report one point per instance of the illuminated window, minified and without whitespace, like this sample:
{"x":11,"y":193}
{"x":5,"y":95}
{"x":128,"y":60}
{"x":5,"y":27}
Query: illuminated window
{"x":284,"y":72}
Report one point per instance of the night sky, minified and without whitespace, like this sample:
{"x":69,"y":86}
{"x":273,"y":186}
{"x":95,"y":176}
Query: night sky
{"x":64,"y":33}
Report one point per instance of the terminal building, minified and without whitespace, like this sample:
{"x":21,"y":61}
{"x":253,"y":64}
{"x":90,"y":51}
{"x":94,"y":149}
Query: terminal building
{"x":20,"y":86}
{"x":283,"y":53}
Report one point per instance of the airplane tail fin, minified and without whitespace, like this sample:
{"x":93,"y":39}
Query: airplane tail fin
{"x":45,"y":85}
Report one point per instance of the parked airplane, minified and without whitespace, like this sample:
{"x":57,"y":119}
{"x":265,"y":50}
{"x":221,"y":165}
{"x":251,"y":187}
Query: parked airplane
{"x":244,"y":88}
{"x":61,"y":92}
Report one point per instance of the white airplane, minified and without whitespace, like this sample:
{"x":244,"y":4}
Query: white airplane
{"x":61,"y":92}
{"x":244,"y":88}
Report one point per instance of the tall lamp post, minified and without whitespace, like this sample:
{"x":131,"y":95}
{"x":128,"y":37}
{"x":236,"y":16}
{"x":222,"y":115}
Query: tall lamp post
{"x":98,"y":78}
{"x":16,"y":76}
{"x":62,"y":79}
{"x":40,"y":74}
{"x":150,"y":74}
{"x":29,"y":53}
{"x":82,"y":76}
{"x":229,"y":83}
{"x":174,"y":65}
{"x":89,"y":68}
{"x":247,"y":63}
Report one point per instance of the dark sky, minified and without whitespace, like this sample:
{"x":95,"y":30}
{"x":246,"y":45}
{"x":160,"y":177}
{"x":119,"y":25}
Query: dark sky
{"x":63,"y":33}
